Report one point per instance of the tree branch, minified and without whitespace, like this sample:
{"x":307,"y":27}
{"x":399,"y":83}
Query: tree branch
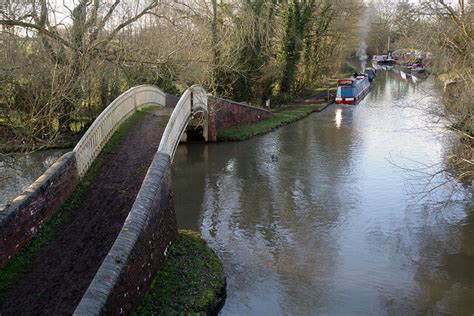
{"x":38,"y":28}
{"x":152,"y":5}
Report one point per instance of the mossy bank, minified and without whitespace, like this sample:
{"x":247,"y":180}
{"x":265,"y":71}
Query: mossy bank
{"x":282,"y":117}
{"x":191,"y":280}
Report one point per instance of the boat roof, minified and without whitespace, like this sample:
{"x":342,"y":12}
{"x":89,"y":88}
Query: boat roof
{"x":345,"y":81}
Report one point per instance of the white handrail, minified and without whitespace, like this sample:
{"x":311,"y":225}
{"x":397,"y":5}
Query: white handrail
{"x":193,"y":100}
{"x":90,"y":145}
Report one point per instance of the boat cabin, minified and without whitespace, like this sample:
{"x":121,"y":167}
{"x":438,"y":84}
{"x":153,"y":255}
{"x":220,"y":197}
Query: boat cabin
{"x":371,"y":73}
{"x":352,"y":90}
{"x":383,"y":59}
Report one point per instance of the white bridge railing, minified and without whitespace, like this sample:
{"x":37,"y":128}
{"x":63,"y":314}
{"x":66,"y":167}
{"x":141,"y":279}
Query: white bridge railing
{"x":90,"y":145}
{"x":193,"y":100}
{"x":142,"y":219}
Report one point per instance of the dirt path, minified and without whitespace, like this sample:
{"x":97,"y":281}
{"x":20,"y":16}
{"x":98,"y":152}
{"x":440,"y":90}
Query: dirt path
{"x":61,"y":273}
{"x":318,"y":97}
{"x":315,"y":98}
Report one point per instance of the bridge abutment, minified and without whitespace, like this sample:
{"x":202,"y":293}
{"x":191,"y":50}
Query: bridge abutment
{"x":225,"y":113}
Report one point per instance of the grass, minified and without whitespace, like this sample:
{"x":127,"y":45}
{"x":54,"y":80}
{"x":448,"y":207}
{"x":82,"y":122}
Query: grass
{"x":323,"y":89}
{"x":350,"y":68}
{"x":191,"y":280}
{"x":280,"y":118}
{"x":18,"y":264}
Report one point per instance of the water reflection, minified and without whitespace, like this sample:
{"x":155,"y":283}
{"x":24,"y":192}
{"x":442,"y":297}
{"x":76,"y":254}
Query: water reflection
{"x":318,"y":217}
{"x":338,"y":118}
{"x":19,"y":171}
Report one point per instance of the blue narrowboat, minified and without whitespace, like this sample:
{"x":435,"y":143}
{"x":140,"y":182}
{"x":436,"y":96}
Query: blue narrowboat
{"x":352,"y":90}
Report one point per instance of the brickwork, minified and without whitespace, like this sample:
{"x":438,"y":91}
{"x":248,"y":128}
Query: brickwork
{"x":224,"y":113}
{"x":125,"y":275}
{"x":20,"y":220}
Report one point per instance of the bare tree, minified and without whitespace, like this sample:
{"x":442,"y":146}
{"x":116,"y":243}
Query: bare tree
{"x":41,"y":101}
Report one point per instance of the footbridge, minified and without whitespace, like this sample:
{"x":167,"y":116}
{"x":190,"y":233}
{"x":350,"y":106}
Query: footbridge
{"x":103,"y":260}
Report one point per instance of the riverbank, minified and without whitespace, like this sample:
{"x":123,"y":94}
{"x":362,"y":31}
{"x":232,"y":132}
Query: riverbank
{"x":66,"y":141}
{"x":284,"y":115}
{"x":191,"y":280}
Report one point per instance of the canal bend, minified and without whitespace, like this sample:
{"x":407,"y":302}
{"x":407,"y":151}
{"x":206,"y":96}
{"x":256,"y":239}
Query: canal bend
{"x":333,"y":214}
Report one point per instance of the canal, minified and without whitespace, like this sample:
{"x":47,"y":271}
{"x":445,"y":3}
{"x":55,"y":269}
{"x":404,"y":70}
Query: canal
{"x":339,"y":213}
{"x":18,"y":171}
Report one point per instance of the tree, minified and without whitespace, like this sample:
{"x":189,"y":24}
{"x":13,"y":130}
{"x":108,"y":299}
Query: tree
{"x":298,"y":16}
{"x":39,"y":110}
{"x":61,"y":69}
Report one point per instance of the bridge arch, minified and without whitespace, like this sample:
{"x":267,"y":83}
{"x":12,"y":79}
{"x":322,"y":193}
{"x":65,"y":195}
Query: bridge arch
{"x":192,"y":102}
{"x":140,"y":247}
{"x":104,"y":126}
{"x":22,"y":218}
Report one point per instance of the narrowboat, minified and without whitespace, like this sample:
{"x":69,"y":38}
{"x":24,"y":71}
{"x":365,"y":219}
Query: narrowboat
{"x":371,"y":73}
{"x":383,"y":59}
{"x":352,"y":90}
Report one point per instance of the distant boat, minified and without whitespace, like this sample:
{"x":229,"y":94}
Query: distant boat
{"x":383,"y":59}
{"x":415,"y":67}
{"x":371,"y":73}
{"x":419,"y":70}
{"x":379,"y":67}
{"x":352,"y":90}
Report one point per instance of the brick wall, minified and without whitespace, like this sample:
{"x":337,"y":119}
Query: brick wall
{"x":138,"y":252}
{"x":224,"y":113}
{"x":26,"y":214}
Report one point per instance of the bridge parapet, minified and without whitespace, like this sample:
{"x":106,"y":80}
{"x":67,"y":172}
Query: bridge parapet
{"x":193,"y":100}
{"x":27,"y":213}
{"x":140,"y":248}
{"x":91,"y":144}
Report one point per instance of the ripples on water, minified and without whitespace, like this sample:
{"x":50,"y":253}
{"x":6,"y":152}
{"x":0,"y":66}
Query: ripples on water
{"x":330,"y":215}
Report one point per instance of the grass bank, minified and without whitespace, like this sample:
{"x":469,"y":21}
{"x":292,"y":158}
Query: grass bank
{"x":12,"y":271}
{"x":281,"y":117}
{"x":191,"y":280}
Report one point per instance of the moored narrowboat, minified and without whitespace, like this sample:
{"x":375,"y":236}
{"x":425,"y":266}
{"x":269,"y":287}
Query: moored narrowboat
{"x":352,"y":90}
{"x":371,"y":73}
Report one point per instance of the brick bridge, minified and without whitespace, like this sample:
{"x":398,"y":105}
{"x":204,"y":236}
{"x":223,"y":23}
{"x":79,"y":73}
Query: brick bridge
{"x":119,"y":273}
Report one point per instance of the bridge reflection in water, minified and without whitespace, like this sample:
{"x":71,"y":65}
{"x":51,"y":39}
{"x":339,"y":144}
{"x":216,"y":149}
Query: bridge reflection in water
{"x":320,"y":217}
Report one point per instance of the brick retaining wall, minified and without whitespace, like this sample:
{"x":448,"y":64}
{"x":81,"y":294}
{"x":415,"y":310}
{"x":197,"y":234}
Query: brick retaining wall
{"x":224,"y":113}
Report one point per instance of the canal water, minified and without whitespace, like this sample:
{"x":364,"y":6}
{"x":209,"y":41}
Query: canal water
{"x":18,"y":171}
{"x":342,"y":213}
